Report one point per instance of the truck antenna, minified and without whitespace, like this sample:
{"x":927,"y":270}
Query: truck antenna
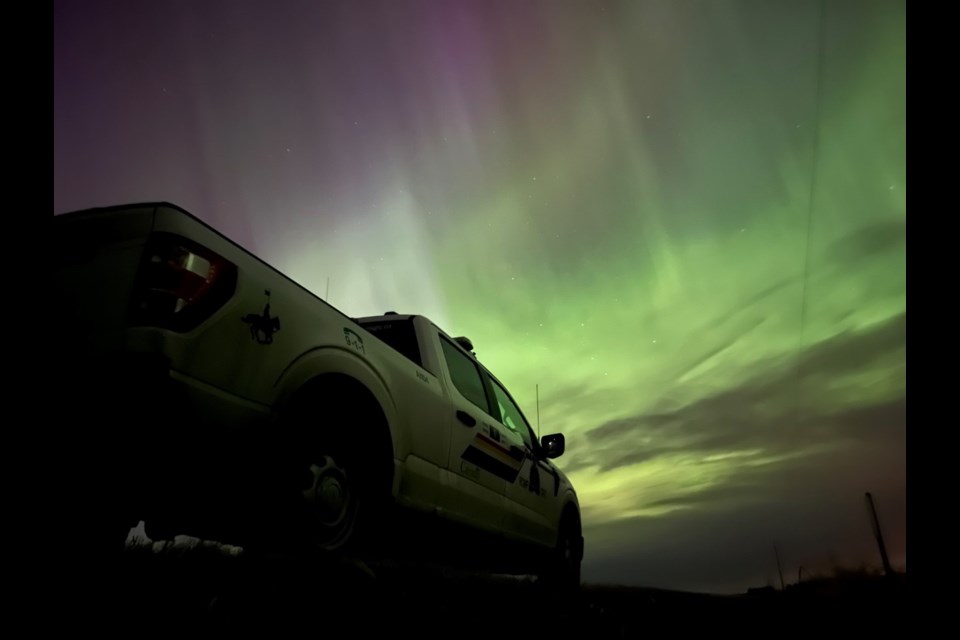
{"x":538,"y":411}
{"x":326,"y":296}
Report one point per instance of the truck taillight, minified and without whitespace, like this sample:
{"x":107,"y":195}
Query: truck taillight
{"x":180,"y":284}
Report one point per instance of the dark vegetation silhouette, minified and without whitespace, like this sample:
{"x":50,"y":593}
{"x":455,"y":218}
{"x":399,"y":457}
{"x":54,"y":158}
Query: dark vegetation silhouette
{"x":197,"y":584}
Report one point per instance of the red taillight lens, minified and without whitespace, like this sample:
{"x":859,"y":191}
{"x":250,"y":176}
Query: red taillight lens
{"x":181,"y":283}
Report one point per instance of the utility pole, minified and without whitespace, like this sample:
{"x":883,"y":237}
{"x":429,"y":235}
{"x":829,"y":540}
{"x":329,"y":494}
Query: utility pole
{"x":776,"y":552}
{"x":887,"y":569}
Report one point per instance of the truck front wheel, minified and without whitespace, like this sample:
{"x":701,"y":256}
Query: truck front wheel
{"x":562,"y":573}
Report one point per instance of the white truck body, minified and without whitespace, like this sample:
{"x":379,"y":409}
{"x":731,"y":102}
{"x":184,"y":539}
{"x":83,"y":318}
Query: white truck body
{"x":227,"y":364}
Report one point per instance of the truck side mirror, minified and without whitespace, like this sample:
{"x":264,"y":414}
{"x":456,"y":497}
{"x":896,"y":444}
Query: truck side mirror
{"x":553,"y":445}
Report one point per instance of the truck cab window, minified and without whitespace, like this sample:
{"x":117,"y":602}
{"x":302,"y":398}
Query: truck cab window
{"x":399,"y":334}
{"x":510,"y":414}
{"x":465,"y":374}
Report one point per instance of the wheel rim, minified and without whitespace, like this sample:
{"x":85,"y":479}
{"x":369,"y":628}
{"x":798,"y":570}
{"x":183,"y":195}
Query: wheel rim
{"x":568,"y":553}
{"x":331,"y":502}
{"x":569,"y":556}
{"x":567,"y":550}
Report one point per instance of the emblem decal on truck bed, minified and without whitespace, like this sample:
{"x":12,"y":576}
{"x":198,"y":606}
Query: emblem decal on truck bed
{"x":262,"y":327}
{"x":353,"y":340}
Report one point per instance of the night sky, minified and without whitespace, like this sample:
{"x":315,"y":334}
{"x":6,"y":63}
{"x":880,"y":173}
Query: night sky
{"x":623,"y":202}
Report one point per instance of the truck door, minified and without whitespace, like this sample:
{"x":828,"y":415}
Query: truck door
{"x":479,"y":464}
{"x":531,"y":493}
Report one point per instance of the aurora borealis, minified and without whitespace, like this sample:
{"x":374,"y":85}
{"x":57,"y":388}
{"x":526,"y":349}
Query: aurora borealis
{"x":685,"y":221}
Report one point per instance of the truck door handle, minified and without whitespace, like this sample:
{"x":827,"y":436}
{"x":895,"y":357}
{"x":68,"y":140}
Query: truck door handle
{"x":466,"y":418}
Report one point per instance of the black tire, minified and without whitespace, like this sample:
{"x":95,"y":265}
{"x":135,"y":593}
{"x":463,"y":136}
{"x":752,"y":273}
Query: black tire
{"x":331,"y":502}
{"x":562,"y":573}
{"x":330,"y":494}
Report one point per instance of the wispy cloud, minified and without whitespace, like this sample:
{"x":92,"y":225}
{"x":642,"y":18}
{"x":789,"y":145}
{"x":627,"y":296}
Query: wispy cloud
{"x":785,"y":407}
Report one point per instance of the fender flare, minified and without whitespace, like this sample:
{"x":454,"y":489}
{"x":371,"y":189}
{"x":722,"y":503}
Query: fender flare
{"x":334,"y":360}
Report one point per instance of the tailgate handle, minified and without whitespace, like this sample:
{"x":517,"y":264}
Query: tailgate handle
{"x":466,"y":418}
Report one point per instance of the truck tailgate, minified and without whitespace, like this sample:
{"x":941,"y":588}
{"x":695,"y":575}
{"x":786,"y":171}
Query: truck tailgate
{"x":96,"y":262}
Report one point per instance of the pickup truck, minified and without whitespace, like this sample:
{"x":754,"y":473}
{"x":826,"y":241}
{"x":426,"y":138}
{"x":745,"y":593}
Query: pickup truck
{"x":210,"y":395}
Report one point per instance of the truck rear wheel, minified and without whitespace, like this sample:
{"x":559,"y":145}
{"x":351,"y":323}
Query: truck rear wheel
{"x":331,"y":501}
{"x":338,"y":503}
{"x":333,"y":488}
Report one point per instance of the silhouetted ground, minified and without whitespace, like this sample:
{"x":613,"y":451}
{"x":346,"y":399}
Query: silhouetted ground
{"x":203,"y":589}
